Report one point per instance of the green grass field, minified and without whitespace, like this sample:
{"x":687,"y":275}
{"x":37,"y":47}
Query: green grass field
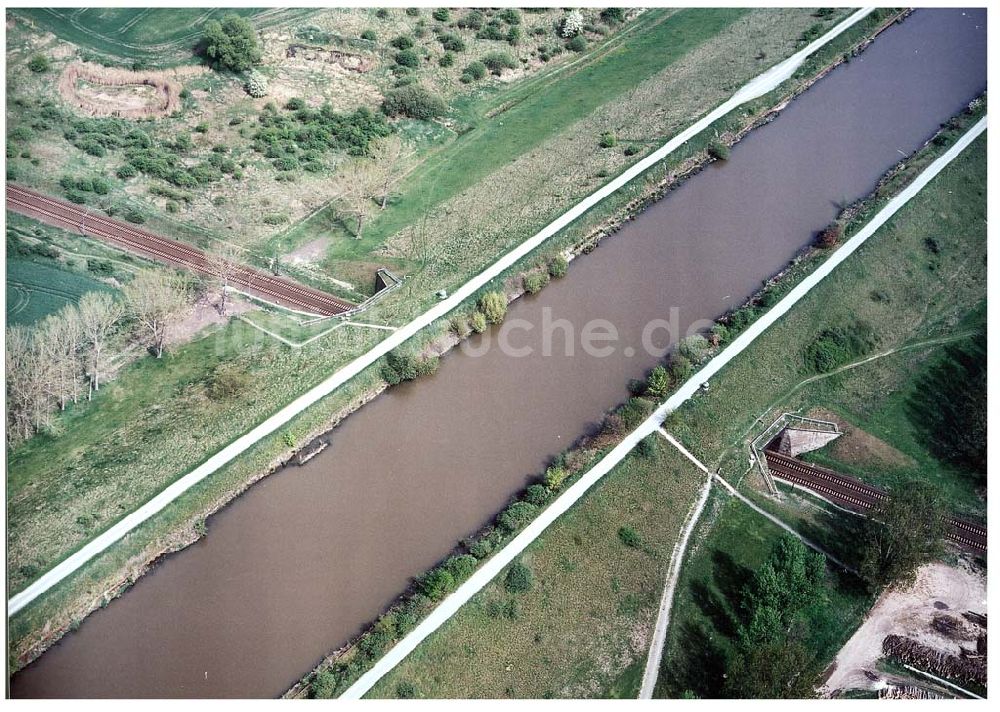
{"x":583,"y":629}
{"x":35,"y":290}
{"x":150,"y":34}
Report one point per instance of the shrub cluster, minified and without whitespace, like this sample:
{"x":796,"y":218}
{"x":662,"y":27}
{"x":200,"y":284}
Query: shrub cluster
{"x":839,"y":345}
{"x":401,"y":366}
{"x":534,"y":281}
{"x":413,"y":101}
{"x":496,"y":62}
{"x":493,"y":305}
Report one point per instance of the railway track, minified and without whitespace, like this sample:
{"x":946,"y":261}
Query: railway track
{"x":60,"y":213}
{"x":851,"y":492}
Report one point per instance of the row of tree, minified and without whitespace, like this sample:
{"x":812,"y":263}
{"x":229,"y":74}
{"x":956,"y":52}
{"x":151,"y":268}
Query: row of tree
{"x":66,"y":355}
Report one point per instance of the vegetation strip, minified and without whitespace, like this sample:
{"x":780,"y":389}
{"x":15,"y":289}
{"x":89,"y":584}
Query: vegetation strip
{"x":501,"y":559}
{"x":755,"y":88}
{"x":652,"y":669}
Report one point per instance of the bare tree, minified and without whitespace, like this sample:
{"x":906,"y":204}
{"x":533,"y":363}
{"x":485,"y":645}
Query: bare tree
{"x":59,"y":338}
{"x":99,"y":316}
{"x":387,"y":163}
{"x":155,"y":298}
{"x":28,"y":405}
{"x":224,"y":263}
{"x":356,"y":184}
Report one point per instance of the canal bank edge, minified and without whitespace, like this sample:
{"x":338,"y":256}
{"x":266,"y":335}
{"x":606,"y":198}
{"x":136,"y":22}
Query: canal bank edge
{"x":450,"y":605}
{"x":766,"y":82}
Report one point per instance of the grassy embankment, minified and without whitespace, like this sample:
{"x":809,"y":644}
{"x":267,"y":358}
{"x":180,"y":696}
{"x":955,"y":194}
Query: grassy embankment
{"x":180,"y":395}
{"x":583,"y":629}
{"x":912,"y":296}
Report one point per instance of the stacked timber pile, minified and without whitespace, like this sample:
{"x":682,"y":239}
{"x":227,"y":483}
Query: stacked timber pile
{"x":907,"y":692}
{"x":937,"y":662}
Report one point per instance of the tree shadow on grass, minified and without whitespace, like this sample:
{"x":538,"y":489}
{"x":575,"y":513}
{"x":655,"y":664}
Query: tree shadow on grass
{"x":698,"y":665}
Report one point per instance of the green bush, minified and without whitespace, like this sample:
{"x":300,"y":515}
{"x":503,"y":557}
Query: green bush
{"x":509,"y":15}
{"x":441,"y":14}
{"x":481,"y":548}
{"x":516,"y":516}
{"x":436,"y":584}
{"x":407,"y":58}
{"x":534,"y":281}
{"x":369,"y":35}
{"x":577,"y":43}
{"x":537,"y":495}
{"x":608,"y":140}
{"x":518,"y":579}
{"x":558,"y":266}
{"x":474,"y":70}
{"x":613,"y":15}
{"x":839,"y":345}
{"x":402,"y":42}
{"x":492,"y":31}
{"x":452,"y":42}
{"x":718,"y":150}
{"x":681,"y":368}
{"x":658,"y":382}
{"x":447,"y":60}
{"x":472,"y":20}
{"x":694,"y":347}
{"x":554,"y":477}
{"x":496,"y":62}
{"x":493,"y":306}
{"x":295,"y":103}
{"x":39,"y":63}
{"x":231,"y":44}
{"x":478,"y":322}
{"x":634,"y":411}
{"x":323,"y":685}
{"x":413,"y":101}
{"x":461,"y":567}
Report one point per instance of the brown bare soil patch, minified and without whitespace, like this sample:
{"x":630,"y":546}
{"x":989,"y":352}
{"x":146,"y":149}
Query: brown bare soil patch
{"x":912,"y":613}
{"x":106,"y":91}
{"x":859,"y":447}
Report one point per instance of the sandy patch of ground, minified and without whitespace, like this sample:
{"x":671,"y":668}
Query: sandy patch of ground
{"x":308,"y":253}
{"x":856,"y":446}
{"x":205,"y":313}
{"x":939,"y":589}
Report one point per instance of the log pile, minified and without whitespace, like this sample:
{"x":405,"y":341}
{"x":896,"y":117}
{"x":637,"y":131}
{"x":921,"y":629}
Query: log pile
{"x":907,"y":692}
{"x":936,"y":662}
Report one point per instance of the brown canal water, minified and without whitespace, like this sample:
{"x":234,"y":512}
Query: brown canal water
{"x":306,"y":558}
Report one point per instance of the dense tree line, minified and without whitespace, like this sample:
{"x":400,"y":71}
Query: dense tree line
{"x":772,"y":658}
{"x":949,"y":406}
{"x":66,"y":355}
